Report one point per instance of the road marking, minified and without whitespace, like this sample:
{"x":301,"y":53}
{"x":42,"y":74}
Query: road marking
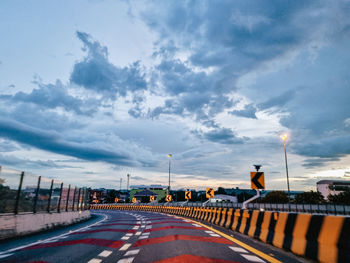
{"x":138,"y":233}
{"x":142,"y":226}
{"x":143,"y":237}
{"x":209,"y":232}
{"x":196,"y":225}
{"x":129,"y":234}
{"x":105,"y":253}
{"x":126,"y":260}
{"x":148,"y":227}
{"x":239,"y":249}
{"x":95,"y":260}
{"x":105,"y":217}
{"x":5,"y":256}
{"x":240,"y":243}
{"x":136,"y":227}
{"x":125,"y":247}
{"x":132,"y":252}
{"x":125,"y":238}
{"x":214,"y":235}
{"x":145,"y":234}
{"x":252,"y":258}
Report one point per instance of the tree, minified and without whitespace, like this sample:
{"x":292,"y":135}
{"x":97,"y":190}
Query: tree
{"x":243,"y":197}
{"x":309,"y":198}
{"x":220,"y":191}
{"x":111,"y":195}
{"x":342,"y":198}
{"x":275,"y":197}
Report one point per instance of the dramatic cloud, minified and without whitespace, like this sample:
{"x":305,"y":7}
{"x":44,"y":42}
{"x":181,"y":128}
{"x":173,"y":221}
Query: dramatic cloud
{"x":54,"y":143}
{"x":95,"y":72}
{"x":54,"y":96}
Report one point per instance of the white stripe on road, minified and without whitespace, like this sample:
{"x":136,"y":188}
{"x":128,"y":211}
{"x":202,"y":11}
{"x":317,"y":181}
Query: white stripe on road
{"x":95,"y":260}
{"x":239,"y":249}
{"x":125,"y":238}
{"x":129,"y":234}
{"x":214,"y":235}
{"x":209,"y":232}
{"x":132,"y":252}
{"x":105,"y":217}
{"x":252,"y":258}
{"x":126,"y":260}
{"x":138,"y":233}
{"x":105,"y":253}
{"x":136,"y":227}
{"x":5,"y":256}
{"x":125,"y":247}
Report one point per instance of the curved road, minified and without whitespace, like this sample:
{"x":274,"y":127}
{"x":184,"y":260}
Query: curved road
{"x":133,"y":236}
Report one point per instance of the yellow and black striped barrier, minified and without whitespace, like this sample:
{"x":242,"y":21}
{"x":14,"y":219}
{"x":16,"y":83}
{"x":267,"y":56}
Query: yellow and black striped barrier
{"x":321,"y":237}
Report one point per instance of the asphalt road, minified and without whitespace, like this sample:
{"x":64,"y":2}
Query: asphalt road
{"x":132,"y":236}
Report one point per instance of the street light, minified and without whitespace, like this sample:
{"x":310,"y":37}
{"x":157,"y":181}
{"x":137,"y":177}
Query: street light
{"x":284,"y":137}
{"x":169,"y":155}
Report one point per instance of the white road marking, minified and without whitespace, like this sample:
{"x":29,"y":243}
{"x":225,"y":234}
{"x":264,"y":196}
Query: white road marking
{"x":142,"y":226}
{"x":125,"y":247}
{"x":136,"y":227}
{"x":5,"y":256}
{"x":105,"y":253}
{"x":105,"y":217}
{"x":196,"y":225}
{"x":95,"y":260}
{"x":209,"y":232}
{"x":252,"y":258}
{"x":143,"y":237}
{"x":215,"y":235}
{"x":125,"y":238}
{"x":126,"y":260}
{"x":239,"y":249}
{"x":138,"y":233}
{"x":132,"y":252}
{"x":148,"y":227}
{"x":129,"y":234}
{"x":138,"y":222}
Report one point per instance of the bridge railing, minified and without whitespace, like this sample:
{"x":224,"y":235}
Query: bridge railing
{"x":22,"y":192}
{"x":297,"y":208}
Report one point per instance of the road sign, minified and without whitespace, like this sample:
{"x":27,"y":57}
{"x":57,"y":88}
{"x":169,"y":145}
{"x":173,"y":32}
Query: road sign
{"x":257,"y":180}
{"x":152,"y":198}
{"x":116,"y":200}
{"x":168,"y":198}
{"x":209,"y":193}
{"x":95,"y":201}
{"x":188,"y":195}
{"x":134,"y":199}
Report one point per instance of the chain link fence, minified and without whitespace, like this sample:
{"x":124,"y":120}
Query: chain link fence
{"x":22,"y":192}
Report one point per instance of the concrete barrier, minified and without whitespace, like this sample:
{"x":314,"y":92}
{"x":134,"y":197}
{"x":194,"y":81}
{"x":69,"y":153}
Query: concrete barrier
{"x":23,"y":224}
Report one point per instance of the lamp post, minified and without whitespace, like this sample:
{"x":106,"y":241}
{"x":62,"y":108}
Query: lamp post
{"x":169,"y":155}
{"x":284,"y":137}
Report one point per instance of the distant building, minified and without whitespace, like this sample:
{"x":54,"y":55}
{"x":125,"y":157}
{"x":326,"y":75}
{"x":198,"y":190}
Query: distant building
{"x":332,"y":187}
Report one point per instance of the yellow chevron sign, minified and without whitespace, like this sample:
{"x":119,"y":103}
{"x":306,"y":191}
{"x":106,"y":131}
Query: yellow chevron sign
{"x":168,"y":198}
{"x":209,"y":193}
{"x":134,"y":199}
{"x":152,"y":198}
{"x":188,"y":195}
{"x":116,"y":200}
{"x":257,"y":180}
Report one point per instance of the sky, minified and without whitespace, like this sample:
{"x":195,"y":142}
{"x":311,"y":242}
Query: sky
{"x":93,"y":90}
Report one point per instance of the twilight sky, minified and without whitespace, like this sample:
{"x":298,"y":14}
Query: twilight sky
{"x":93,"y":90}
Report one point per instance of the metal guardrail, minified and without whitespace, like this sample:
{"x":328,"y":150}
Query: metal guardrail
{"x":296,"y":208}
{"x":22,"y":192}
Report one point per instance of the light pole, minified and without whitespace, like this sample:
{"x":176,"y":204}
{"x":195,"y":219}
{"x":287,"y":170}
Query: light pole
{"x":169,"y":155}
{"x":284,"y":137}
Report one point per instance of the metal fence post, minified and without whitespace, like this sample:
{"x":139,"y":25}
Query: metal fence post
{"x":18,"y":193}
{"x":75,"y":189}
{"x":78,"y":199}
{"x":36,"y":194}
{"x":59,"y":200}
{"x":50,"y":195}
{"x":67,"y":201}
